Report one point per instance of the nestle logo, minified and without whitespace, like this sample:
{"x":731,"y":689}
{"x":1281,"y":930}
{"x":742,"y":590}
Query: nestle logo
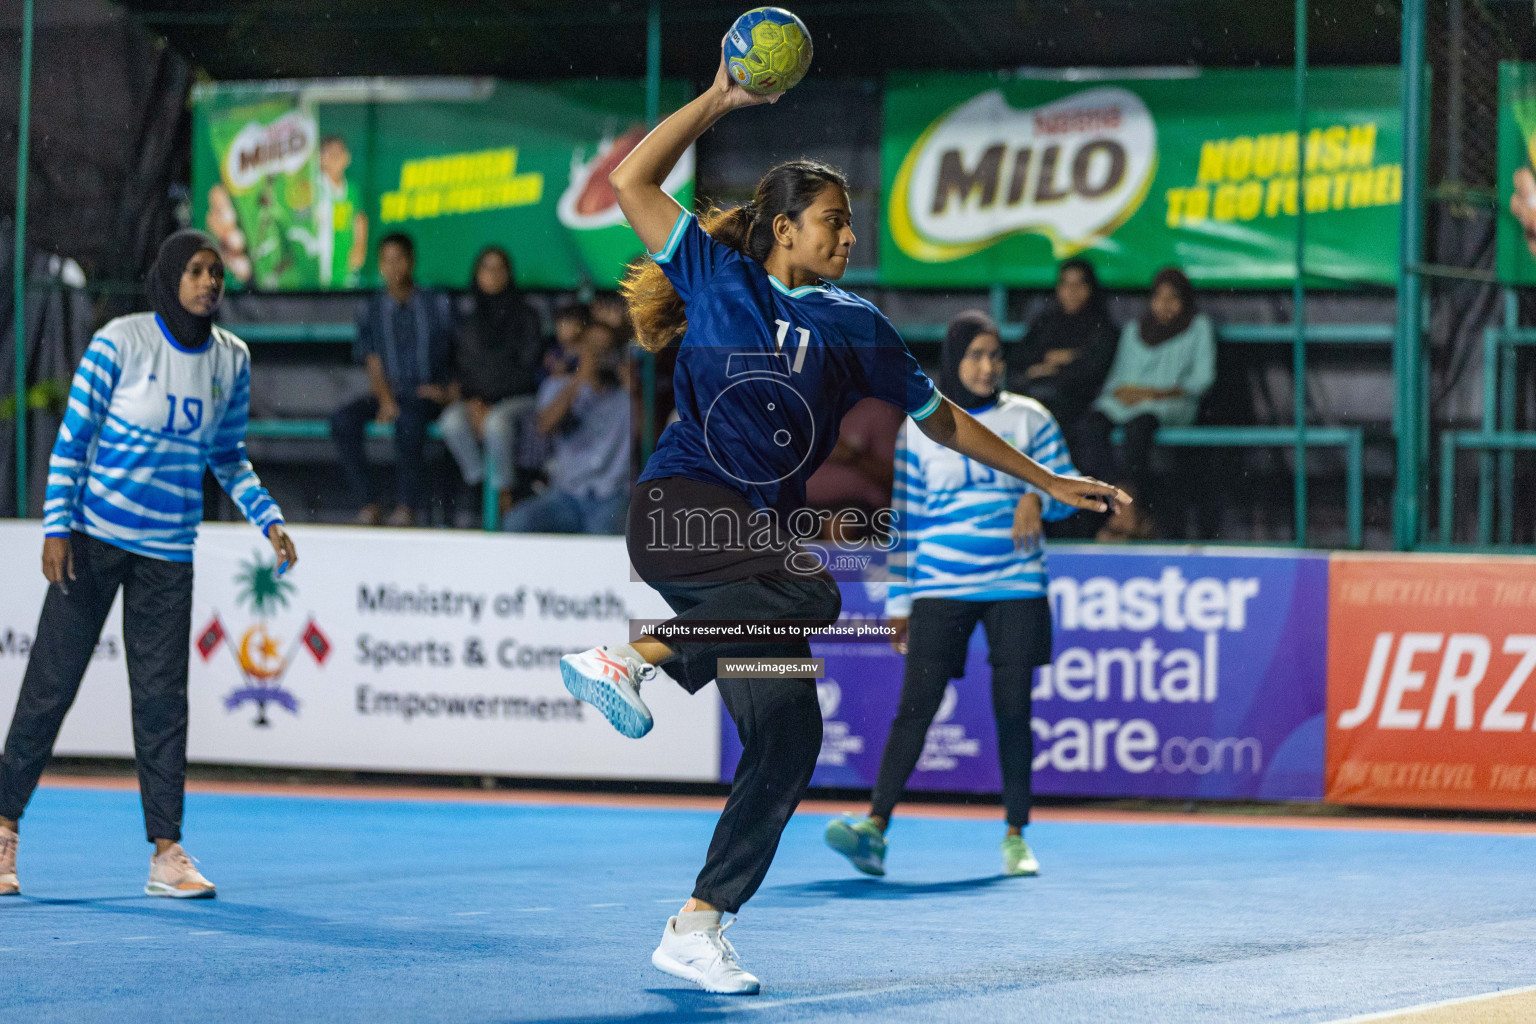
{"x":1089,"y":119}
{"x":281,"y":140}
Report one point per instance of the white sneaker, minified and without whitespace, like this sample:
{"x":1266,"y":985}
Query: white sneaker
{"x":173,"y":873}
{"x":611,"y":683}
{"x":705,"y":958}
{"x":9,"y":886}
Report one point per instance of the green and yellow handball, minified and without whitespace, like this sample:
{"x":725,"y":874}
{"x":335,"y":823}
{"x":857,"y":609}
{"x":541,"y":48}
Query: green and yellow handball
{"x":767,"y":51}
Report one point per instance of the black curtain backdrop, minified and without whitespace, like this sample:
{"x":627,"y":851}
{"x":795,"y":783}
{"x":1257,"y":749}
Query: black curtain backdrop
{"x":109,"y":135}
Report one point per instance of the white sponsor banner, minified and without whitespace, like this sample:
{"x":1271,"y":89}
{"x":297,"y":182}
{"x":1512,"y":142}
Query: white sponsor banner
{"x":388,"y":650}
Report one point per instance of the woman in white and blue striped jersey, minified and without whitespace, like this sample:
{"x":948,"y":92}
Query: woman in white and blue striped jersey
{"x":157,"y":397}
{"x":971,"y":550}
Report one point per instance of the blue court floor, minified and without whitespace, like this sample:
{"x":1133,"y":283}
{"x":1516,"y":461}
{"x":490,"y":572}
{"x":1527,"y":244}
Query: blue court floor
{"x":382,"y":911}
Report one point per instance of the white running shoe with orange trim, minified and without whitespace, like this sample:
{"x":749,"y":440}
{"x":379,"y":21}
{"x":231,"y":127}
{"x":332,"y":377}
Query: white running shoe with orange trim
{"x":174,"y":873}
{"x":9,"y":886}
{"x":610,"y":682}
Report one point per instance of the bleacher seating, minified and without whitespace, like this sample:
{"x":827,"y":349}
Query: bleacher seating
{"x":1350,"y":439}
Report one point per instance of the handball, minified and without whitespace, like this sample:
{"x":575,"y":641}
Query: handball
{"x":767,"y":51}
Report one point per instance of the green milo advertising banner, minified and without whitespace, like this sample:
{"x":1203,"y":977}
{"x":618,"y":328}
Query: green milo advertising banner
{"x":299,"y":180}
{"x":996,"y":178}
{"x":1516,"y":234}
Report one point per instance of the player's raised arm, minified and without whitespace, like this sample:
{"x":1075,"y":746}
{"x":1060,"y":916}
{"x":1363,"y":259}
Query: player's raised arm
{"x":637,"y":180}
{"x":956,"y":429}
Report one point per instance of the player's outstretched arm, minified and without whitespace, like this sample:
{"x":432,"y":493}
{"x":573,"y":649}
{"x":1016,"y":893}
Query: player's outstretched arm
{"x":956,"y":429}
{"x":637,"y":180}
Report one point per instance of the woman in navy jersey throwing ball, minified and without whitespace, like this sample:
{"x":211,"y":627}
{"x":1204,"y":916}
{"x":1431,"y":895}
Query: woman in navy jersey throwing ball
{"x":773,"y":354}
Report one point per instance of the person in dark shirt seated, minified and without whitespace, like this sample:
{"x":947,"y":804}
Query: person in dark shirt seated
{"x":608,"y":308}
{"x":570,"y":317}
{"x":495,"y":374}
{"x":1068,"y":349}
{"x":404,"y":339}
{"x":585,"y":412}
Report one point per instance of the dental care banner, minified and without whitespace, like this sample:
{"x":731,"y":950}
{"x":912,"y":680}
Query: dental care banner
{"x":1176,"y":674}
{"x":993,"y":179}
{"x":385,"y":650}
{"x":300,"y":179}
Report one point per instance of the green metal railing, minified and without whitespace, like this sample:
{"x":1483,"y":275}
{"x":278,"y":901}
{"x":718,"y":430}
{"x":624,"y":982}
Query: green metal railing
{"x":1410,"y":422}
{"x":916,"y":331}
{"x":1497,"y":440}
{"x":1506,"y":443}
{"x":1351,"y":439}
{"x":19,"y":261}
{"x":1299,"y":285}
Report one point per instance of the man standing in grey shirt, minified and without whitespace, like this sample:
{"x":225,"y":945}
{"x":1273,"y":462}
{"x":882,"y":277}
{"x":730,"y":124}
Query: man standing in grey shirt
{"x":586,"y":415}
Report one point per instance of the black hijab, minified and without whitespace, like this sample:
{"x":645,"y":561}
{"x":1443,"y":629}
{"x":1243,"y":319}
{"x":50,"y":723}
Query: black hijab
{"x":496,"y":315}
{"x":1153,"y":331}
{"x":164,"y":286}
{"x":963,"y":330}
{"x":1090,"y":333}
{"x":1056,"y":328}
{"x":499,"y":349}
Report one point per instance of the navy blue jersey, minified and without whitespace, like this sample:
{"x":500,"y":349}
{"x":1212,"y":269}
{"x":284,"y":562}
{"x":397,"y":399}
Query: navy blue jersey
{"x":765,"y":373}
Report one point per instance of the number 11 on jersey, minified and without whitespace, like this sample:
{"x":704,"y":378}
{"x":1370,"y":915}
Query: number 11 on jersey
{"x":805,"y":340}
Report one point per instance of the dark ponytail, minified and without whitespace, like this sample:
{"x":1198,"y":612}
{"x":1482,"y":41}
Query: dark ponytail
{"x":789,"y":189}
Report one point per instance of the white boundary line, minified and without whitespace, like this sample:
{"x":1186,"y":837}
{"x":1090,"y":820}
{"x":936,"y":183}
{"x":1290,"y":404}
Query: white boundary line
{"x":1423,"y":1007}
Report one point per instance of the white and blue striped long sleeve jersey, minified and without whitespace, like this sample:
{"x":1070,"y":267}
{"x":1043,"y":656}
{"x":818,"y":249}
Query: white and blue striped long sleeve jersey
{"x":954,"y":517}
{"x":145,"y":415}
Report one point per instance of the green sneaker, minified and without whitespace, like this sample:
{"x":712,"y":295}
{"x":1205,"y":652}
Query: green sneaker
{"x":1018,"y":858}
{"x":860,"y":841}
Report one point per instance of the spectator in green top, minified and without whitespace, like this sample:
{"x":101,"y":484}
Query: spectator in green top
{"x":1165,"y":363}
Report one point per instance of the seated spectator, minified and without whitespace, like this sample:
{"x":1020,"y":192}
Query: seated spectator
{"x":1068,"y":349}
{"x":570,"y":317}
{"x":609,"y":308}
{"x":533,"y":447}
{"x":585,"y":412}
{"x":404,"y":338}
{"x":1165,"y":363}
{"x":495,"y":374}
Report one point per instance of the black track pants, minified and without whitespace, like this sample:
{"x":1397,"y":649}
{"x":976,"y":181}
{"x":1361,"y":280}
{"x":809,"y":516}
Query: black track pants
{"x":157,"y":628}
{"x":939,"y":630}
{"x":778,"y":720}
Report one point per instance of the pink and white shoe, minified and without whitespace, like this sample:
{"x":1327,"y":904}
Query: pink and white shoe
{"x":175,"y":874}
{"x":610,"y":682}
{"x":9,"y":886}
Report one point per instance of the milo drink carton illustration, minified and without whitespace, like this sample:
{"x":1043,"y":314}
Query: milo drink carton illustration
{"x":590,"y":211}
{"x":260,"y":209}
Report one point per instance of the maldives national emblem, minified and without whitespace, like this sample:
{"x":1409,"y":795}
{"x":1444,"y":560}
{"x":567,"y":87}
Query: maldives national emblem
{"x":262,"y":659}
